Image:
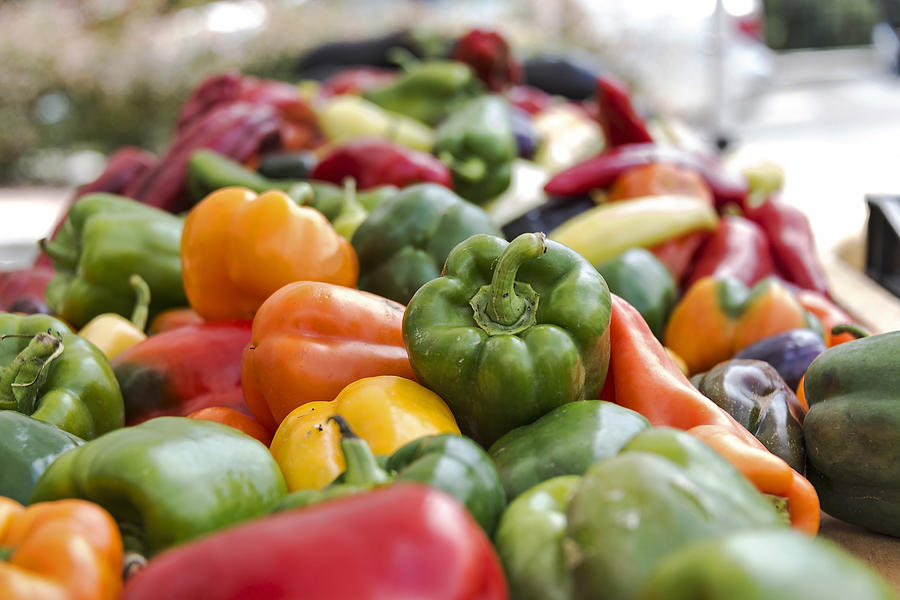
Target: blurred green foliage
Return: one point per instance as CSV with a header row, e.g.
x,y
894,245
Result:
x,y
796,24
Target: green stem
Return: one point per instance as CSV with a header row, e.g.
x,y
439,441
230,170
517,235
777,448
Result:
x,y
362,468
6,553
852,328
142,301
472,169
58,253
22,379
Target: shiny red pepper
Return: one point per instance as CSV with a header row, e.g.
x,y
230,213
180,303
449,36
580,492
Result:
x,y
398,541
738,248
374,163
355,80
182,370
678,253
620,122
791,242
23,290
600,171
490,57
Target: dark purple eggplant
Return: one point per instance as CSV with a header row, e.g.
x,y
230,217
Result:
x,y
790,353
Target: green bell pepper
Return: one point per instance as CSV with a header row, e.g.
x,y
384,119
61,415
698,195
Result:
x,y
600,535
428,91
757,397
56,376
27,448
478,145
104,240
640,278
761,565
565,441
509,332
852,431
449,462
405,241
169,479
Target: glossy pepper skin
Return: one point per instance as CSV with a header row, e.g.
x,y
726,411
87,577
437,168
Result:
x,y
757,397
449,462
477,143
509,332
141,475
311,339
408,540
27,447
489,54
239,248
641,279
738,248
385,411
851,431
104,240
759,565
376,162
57,377
601,534
790,352
406,240
177,372
620,122
69,550
565,441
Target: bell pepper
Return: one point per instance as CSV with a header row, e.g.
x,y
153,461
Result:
x,y
407,541
449,462
477,143
374,162
405,241
386,411
851,431
620,122
53,375
209,171
758,398
638,277
68,550
347,117
605,231
657,179
643,377
760,565
565,441
600,535
738,248
677,254
829,315
310,340
731,317
168,480
233,418
173,318
355,80
23,290
114,333
509,332
27,447
280,165
427,91
790,353
238,248
104,240
490,57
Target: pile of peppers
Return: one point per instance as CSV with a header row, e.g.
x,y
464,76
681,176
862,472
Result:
x,y
321,348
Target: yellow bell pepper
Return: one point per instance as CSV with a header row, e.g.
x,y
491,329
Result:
x,y
386,411
112,332
347,117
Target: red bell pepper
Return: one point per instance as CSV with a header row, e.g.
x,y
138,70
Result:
x,y
530,99
399,541
375,162
490,57
355,81
791,242
183,370
23,290
600,171
738,248
620,122
678,253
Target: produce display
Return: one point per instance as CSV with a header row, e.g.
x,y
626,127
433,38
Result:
x,y
466,328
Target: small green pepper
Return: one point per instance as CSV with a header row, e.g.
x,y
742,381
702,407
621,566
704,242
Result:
x,y
640,278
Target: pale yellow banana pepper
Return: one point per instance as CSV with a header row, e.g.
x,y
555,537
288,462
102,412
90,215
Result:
x,y
113,333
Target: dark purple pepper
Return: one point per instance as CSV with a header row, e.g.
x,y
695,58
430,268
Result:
x,y
790,353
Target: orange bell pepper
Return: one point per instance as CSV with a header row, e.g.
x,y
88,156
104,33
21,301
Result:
x,y
233,418
643,377
238,248
659,179
310,339
716,318
173,318
63,550
829,314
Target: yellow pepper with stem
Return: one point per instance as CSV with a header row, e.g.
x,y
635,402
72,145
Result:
x,y
112,332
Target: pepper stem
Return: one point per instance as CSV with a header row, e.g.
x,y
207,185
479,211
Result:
x,y
58,253
506,305
22,379
6,553
362,468
142,301
472,169
852,328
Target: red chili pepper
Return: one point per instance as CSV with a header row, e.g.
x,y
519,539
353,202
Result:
x,y
379,162
738,248
620,122
355,81
791,242
600,171
399,541
490,57
182,370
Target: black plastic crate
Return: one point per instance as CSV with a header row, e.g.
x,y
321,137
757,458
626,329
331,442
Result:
x,y
883,241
